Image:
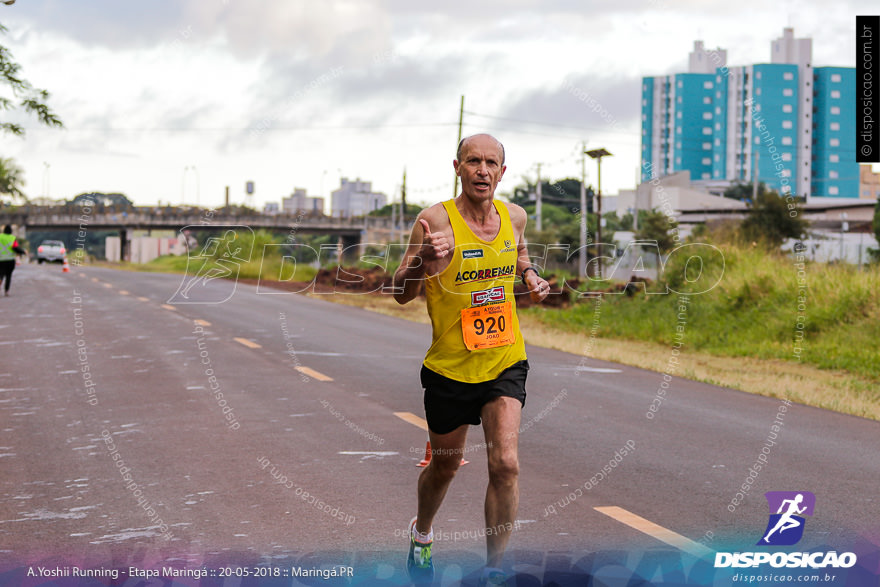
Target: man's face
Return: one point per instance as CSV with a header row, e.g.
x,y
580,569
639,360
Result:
x,y
480,168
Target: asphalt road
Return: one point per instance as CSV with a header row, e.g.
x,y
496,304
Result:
x,y
321,399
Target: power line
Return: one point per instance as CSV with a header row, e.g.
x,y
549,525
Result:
x,y
551,124
247,129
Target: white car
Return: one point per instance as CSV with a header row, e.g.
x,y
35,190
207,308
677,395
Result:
x,y
51,251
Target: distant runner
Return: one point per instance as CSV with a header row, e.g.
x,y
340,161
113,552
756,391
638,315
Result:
x,y
8,250
469,251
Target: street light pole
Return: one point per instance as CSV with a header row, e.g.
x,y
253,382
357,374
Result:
x,y
46,178
183,186
582,251
460,121
195,170
597,154
538,223
198,186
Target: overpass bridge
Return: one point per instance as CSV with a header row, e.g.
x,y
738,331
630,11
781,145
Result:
x,y
350,231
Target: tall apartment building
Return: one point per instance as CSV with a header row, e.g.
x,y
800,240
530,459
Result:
x,y
786,123
835,170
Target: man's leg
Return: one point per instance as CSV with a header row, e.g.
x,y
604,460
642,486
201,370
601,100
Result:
x,y
447,450
6,274
501,418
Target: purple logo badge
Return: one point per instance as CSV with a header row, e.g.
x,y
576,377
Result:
x,y
787,511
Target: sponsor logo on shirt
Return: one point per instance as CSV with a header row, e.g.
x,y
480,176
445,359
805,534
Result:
x,y
485,296
483,274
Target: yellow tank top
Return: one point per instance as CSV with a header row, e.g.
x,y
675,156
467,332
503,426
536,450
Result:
x,y
476,332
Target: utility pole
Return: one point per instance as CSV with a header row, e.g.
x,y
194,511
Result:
x,y
393,221
755,179
597,154
403,202
460,120
599,213
636,201
582,251
538,202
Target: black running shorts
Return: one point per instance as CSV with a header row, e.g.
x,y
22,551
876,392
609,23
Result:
x,y
450,403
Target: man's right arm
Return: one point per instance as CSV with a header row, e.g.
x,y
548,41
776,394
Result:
x,y
424,247
409,275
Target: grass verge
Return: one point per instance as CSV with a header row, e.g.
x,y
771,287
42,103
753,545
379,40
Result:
x,y
835,390
743,333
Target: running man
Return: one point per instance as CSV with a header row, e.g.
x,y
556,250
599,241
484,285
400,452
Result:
x,y
468,251
786,521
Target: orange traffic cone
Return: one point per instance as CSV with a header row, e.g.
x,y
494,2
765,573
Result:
x,y
66,268
424,462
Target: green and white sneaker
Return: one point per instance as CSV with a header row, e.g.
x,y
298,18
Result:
x,y
419,565
493,576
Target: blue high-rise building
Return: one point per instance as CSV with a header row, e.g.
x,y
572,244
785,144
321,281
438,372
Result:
x,y
835,170
677,120
782,123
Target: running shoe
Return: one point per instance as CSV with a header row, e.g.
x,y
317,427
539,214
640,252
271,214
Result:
x,y
419,565
492,576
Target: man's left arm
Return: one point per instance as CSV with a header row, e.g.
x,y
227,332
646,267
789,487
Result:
x,y
538,286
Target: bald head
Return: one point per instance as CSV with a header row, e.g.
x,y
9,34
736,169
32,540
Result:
x,y
464,141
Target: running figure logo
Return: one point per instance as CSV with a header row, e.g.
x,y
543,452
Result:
x,y
786,525
219,261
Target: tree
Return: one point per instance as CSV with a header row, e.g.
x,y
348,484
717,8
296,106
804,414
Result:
x,y
744,191
114,201
565,193
875,253
877,220
11,179
771,220
412,210
28,98
560,227
657,226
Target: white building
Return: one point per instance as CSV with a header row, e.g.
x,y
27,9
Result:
x,y
355,198
787,49
702,61
299,202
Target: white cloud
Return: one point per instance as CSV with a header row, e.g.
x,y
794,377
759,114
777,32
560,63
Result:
x,y
365,87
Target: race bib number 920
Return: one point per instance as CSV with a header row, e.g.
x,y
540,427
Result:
x,y
486,327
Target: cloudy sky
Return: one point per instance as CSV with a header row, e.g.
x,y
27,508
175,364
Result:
x,y
172,100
